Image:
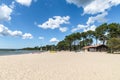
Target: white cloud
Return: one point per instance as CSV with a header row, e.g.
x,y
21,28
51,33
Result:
x,y
84,28
24,2
15,33
4,31
54,40
79,27
12,5
94,6
91,20
55,22
92,28
63,29
79,3
106,33
97,6
41,38
98,18
27,36
115,2
5,13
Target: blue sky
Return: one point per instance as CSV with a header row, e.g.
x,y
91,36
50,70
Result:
x,y
29,23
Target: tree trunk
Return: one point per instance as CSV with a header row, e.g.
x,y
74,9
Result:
x,y
96,41
70,47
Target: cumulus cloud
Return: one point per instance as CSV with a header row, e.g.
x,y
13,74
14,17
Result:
x,y
41,38
54,40
5,13
55,22
79,3
27,36
115,2
84,28
12,5
24,2
4,31
98,18
90,22
94,6
92,28
79,27
15,33
63,29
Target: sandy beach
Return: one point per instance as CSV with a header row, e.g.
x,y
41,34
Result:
x,y
60,66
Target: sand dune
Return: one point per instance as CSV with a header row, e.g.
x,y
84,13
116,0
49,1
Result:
x,y
60,66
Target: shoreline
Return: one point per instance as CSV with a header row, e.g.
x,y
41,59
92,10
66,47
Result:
x,y
59,52
19,52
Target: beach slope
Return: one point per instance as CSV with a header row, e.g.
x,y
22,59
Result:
x,y
60,66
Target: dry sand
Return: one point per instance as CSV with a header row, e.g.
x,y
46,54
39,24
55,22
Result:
x,y
60,66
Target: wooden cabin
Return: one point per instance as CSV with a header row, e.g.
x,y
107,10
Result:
x,y
96,48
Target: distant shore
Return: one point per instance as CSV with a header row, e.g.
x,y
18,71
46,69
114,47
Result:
x,y
62,65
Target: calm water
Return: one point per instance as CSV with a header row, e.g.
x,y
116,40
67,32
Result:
x,y
17,52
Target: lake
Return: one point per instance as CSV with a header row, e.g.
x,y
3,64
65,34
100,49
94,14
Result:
x,y
16,52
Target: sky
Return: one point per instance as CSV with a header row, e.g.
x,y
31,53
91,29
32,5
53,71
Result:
x,y
30,23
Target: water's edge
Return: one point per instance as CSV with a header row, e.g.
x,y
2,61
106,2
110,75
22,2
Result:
x,y
17,52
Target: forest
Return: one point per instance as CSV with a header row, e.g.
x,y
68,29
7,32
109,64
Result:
x,y
106,34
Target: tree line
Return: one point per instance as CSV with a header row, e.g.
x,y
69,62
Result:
x,y
108,34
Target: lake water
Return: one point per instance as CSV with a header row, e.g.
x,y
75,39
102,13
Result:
x,y
17,52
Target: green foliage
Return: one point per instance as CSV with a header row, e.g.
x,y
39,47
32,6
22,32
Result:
x,y
114,30
70,38
100,32
114,45
86,38
63,45
43,48
30,48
